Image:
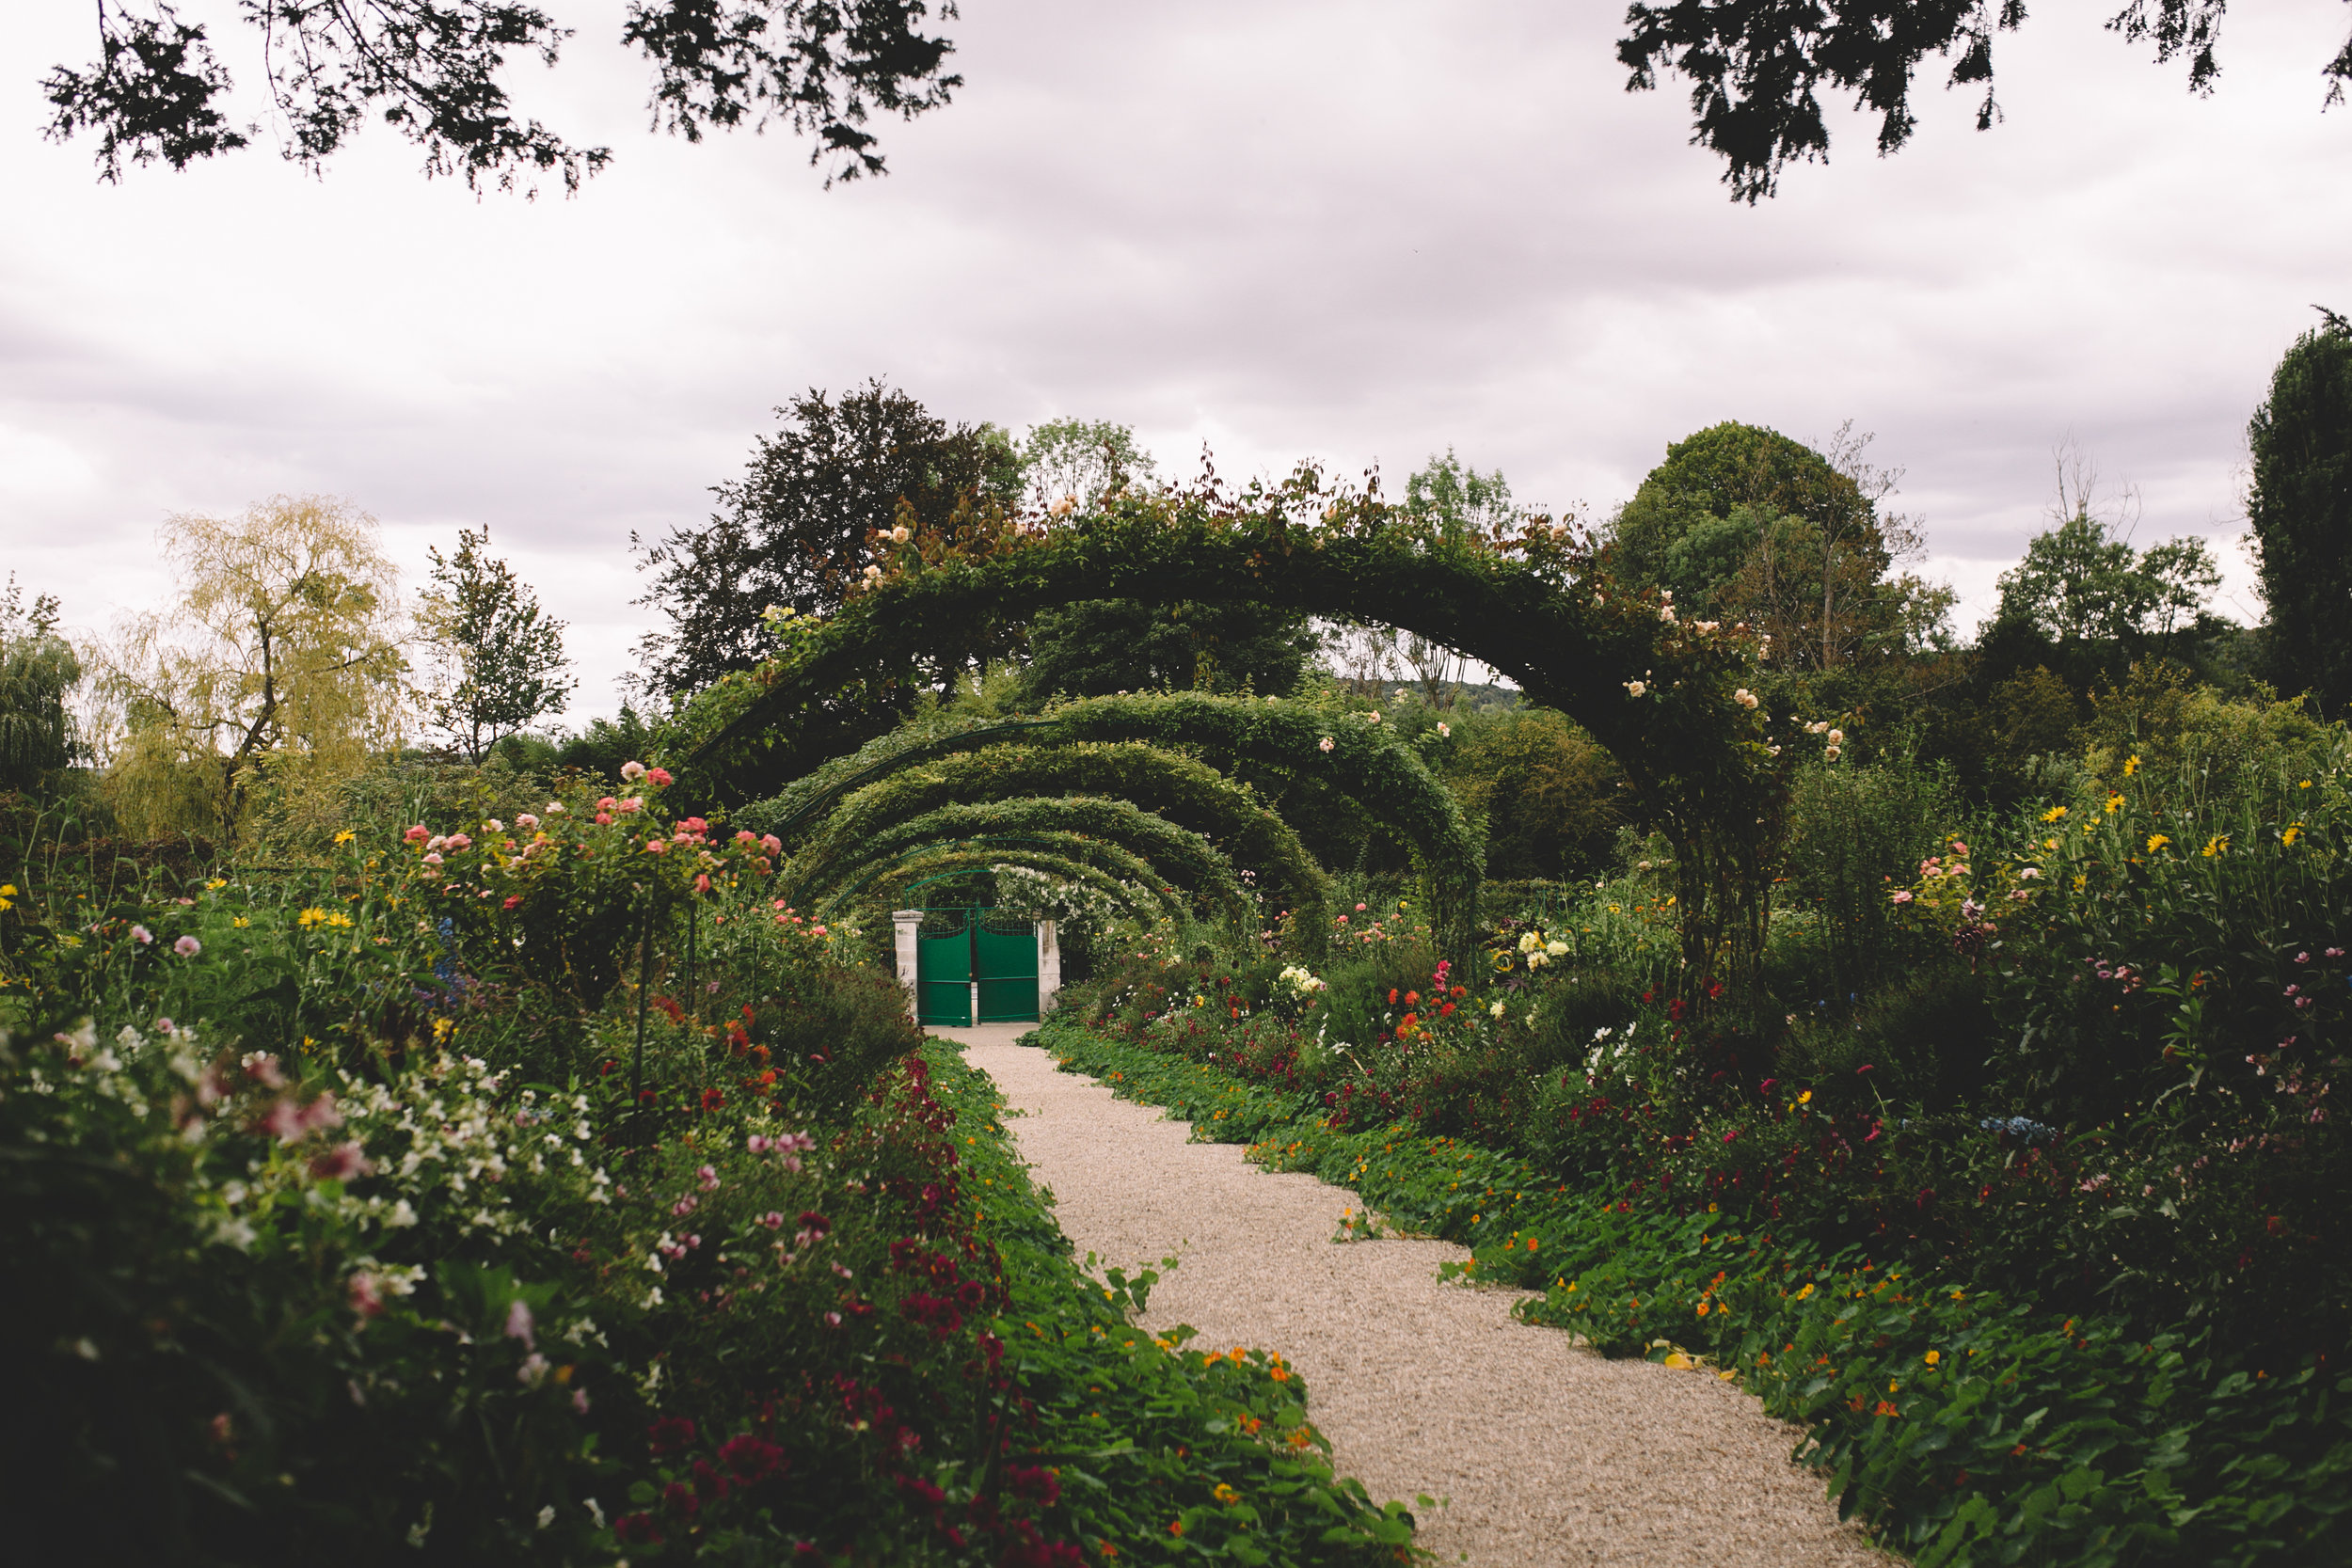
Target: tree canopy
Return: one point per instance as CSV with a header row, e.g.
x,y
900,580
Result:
x,y
1744,523
283,649
794,531
436,70
2300,508
1757,69
500,655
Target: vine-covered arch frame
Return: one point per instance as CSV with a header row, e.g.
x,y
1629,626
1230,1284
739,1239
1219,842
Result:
x,y
1180,789
1525,598
1349,754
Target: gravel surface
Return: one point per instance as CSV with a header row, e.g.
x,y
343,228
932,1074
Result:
x,y
1550,1454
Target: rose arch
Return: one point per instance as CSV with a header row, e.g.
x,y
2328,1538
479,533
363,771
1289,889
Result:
x,y
1656,689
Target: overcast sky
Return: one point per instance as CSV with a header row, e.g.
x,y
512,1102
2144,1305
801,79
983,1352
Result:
x,y
1359,231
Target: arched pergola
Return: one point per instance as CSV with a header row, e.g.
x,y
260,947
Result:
x,y
1141,894
1657,690
1180,789
1365,763
1182,858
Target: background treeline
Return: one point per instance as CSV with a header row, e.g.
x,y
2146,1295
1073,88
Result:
x,y
287,668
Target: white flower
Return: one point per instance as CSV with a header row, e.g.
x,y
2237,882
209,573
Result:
x,y
401,1216
1445,731
1373,715
1557,949
1745,698
1325,743
872,572
1495,1012
899,534
1837,738
1833,754
1634,689
1530,942
631,772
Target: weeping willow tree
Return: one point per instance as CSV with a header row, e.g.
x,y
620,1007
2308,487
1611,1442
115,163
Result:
x,y
38,668
274,676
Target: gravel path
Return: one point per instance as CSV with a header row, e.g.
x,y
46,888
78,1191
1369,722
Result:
x,y
1550,1454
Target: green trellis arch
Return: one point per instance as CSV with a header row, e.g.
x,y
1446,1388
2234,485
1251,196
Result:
x,y
1140,893
1657,690
1182,790
1182,858
1365,764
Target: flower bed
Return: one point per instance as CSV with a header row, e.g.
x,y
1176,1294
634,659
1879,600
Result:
x,y
1962,1425
378,1212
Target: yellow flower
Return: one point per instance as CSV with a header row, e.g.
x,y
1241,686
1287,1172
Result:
x,y
2156,842
7,896
2305,784
1805,1099
2049,844
1225,1494
339,918
2115,803
2131,766
2215,845
216,884
1933,1356
345,837
310,917
1806,1291
240,921
2294,832
2054,814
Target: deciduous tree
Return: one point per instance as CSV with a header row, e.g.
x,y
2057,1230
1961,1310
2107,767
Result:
x,y
2300,508
793,532
435,72
1757,69
500,656
38,668
282,649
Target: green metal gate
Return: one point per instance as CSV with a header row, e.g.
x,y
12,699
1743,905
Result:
x,y
975,960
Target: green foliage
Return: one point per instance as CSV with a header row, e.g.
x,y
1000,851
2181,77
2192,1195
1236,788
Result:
x,y
1179,857
1101,647
1677,729
797,529
433,78
1277,745
1854,832
1544,791
601,748
37,669
348,1298
1178,788
502,657
1962,1425
2299,506
1743,523
2078,585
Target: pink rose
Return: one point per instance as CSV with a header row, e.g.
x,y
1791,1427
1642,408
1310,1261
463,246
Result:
x,y
660,777
417,835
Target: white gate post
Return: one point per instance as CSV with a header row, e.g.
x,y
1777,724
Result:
x,y
1048,965
907,922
